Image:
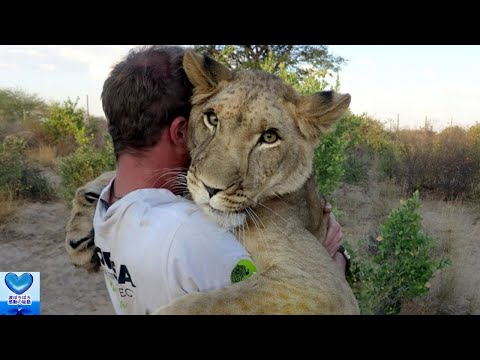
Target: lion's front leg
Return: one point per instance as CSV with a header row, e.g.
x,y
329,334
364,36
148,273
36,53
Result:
x,y
191,304
80,239
234,300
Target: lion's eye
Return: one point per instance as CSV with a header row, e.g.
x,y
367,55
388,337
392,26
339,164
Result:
x,y
91,197
269,137
211,119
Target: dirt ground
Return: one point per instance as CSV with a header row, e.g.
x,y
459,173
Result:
x,y
34,241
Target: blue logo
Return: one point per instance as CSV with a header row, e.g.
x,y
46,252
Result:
x,y
19,284
20,293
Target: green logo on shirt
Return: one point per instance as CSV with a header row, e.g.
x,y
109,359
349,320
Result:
x,y
242,271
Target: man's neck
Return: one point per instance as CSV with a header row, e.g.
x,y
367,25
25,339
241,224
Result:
x,y
145,171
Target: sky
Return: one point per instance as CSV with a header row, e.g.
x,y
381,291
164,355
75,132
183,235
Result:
x,y
441,83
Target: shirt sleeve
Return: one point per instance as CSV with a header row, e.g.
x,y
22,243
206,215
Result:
x,y
203,257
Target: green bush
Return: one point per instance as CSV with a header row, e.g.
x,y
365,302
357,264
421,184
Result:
x,y
63,120
12,163
35,187
401,266
65,128
330,156
16,176
85,164
375,149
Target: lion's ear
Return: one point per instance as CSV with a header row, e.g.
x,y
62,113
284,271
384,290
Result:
x,y
204,72
318,112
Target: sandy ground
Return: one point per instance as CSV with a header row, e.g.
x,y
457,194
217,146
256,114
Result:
x,y
34,241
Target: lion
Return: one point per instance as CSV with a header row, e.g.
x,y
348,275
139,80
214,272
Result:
x,y
252,140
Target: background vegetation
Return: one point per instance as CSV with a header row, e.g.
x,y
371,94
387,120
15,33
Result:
x,y
47,150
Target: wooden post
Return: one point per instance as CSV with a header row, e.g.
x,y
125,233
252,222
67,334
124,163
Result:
x,y
88,110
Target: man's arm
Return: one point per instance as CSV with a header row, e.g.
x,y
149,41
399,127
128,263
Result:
x,y
204,257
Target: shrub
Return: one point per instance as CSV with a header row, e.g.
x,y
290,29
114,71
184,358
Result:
x,y
64,126
474,135
16,177
34,186
401,266
457,163
85,164
374,148
447,163
389,161
12,164
329,161
417,162
97,128
358,160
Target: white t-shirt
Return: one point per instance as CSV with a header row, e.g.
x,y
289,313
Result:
x,y
155,246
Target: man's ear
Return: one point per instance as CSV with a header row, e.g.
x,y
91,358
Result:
x,y
204,72
178,131
318,112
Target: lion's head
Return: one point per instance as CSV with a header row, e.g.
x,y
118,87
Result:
x,y
251,137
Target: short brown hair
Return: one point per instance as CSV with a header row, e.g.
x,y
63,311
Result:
x,y
143,94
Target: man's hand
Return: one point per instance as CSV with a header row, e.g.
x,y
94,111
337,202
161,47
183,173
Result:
x,y
334,238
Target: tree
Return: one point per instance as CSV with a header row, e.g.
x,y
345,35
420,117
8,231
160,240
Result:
x,y
296,59
17,105
65,121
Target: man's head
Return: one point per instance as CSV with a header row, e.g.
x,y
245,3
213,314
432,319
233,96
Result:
x,y
143,95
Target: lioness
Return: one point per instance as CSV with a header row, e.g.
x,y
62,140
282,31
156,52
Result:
x,y
252,140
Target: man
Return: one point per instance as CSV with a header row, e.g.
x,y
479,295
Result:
x,y
155,246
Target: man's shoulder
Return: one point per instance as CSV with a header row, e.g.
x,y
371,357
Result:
x,y
159,211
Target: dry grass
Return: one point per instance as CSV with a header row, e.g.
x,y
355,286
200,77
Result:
x,y
44,155
8,205
456,289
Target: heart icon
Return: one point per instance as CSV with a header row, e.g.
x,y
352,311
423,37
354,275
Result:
x,y
19,284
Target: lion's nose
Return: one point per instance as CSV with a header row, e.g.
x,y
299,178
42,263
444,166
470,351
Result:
x,y
211,191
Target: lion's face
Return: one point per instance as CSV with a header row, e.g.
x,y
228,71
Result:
x,y
252,137
245,148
